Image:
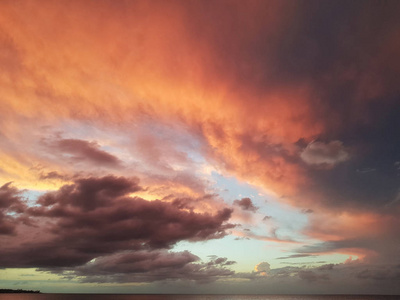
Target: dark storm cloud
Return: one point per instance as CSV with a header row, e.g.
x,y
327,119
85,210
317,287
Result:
x,y
353,69
347,55
96,216
11,206
322,39
376,147
341,50
246,204
84,150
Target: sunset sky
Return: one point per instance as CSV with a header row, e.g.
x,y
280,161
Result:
x,y
200,146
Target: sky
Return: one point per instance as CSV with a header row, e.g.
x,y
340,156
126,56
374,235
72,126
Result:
x,y
200,146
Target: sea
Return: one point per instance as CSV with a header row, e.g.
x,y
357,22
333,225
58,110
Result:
x,y
190,297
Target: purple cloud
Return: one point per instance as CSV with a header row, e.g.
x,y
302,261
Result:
x,y
87,151
246,204
150,266
96,217
11,206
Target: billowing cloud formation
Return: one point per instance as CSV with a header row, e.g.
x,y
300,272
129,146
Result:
x,y
95,216
262,268
246,204
11,206
319,153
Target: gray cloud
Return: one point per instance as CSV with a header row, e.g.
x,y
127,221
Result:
x,y
311,276
329,154
149,266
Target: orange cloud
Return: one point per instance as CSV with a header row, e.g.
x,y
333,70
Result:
x,y
210,69
111,63
347,225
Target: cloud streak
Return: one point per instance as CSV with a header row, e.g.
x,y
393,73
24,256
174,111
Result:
x,y
83,150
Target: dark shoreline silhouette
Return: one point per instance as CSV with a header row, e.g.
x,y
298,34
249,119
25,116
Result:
x,y
19,291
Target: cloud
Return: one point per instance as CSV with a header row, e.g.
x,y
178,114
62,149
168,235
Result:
x,y
295,256
246,204
363,234
82,150
11,207
252,102
311,276
148,266
379,273
326,267
329,154
271,237
53,175
262,268
223,261
254,139
96,217
349,273
263,271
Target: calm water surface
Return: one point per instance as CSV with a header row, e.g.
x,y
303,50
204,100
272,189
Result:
x,y
188,297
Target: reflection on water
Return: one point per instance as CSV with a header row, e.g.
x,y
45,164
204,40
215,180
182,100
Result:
x,y
186,297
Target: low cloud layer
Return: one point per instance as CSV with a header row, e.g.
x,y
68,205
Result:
x,y
325,277
149,266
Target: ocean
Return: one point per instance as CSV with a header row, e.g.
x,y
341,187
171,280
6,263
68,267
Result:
x,y
189,297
